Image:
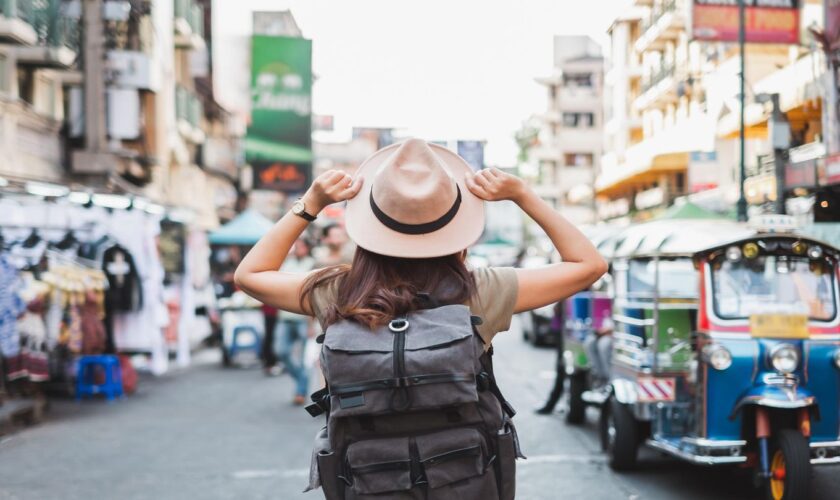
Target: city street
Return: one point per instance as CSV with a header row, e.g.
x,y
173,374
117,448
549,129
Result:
x,y
215,433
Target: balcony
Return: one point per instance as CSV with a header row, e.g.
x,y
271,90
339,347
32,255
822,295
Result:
x,y
189,111
659,88
666,21
44,36
189,25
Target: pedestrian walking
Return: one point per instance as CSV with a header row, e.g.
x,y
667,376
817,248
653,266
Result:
x,y
396,359
296,328
335,247
556,393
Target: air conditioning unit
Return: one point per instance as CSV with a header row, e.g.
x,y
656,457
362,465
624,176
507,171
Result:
x,y
122,113
132,70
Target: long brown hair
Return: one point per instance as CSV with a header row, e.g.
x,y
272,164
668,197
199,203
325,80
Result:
x,y
377,288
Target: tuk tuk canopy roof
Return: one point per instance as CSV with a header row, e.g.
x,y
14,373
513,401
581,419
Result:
x,y
677,237
245,229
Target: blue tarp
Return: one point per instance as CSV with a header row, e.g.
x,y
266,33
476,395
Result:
x,y
245,229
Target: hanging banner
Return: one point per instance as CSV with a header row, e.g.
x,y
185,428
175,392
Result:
x,y
830,171
473,152
278,145
767,21
832,23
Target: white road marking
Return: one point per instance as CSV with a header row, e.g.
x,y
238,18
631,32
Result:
x,y
562,458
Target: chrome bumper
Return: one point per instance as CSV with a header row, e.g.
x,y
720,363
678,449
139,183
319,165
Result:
x,y
703,451
825,453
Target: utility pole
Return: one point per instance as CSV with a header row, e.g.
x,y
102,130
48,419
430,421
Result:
x,y
94,84
780,140
95,157
742,39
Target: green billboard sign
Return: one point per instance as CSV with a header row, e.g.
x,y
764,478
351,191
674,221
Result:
x,y
278,145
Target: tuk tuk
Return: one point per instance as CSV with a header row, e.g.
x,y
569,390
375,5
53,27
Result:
x,y
726,350
585,313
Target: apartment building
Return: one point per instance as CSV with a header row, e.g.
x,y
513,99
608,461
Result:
x,y
569,142
672,108
160,134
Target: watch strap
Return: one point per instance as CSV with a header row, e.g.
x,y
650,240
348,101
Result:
x,y
303,213
306,215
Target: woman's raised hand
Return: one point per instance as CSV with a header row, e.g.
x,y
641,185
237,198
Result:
x,y
331,187
491,184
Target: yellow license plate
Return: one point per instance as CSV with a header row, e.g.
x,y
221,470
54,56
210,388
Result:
x,y
779,326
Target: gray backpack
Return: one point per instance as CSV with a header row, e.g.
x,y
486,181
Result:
x,y
413,412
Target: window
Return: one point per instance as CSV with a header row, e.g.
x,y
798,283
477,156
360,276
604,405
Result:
x,y
677,278
4,74
578,159
583,120
774,284
577,79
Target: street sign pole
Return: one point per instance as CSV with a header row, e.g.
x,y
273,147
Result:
x,y
742,200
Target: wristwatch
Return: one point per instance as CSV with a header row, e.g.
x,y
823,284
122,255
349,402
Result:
x,y
299,209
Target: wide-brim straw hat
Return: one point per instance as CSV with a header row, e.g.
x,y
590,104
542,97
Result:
x,y
414,202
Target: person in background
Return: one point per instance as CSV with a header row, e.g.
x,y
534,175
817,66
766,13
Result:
x,y
335,246
559,365
269,358
599,349
295,328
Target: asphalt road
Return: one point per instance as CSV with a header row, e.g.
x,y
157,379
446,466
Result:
x,y
214,433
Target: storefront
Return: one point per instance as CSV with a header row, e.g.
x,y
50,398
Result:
x,y
86,274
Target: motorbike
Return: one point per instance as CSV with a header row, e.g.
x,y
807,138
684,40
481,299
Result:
x,y
726,350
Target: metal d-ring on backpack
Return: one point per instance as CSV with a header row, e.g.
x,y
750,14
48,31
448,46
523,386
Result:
x,y
413,412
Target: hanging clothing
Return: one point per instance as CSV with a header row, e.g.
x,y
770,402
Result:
x,y
32,362
11,306
94,339
125,290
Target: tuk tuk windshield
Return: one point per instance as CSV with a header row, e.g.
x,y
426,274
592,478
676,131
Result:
x,y
773,284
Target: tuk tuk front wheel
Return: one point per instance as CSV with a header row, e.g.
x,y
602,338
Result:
x,y
619,435
577,407
790,467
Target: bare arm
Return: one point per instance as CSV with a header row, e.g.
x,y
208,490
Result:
x,y
582,264
258,274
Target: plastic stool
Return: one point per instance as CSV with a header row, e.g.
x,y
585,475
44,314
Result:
x,y
236,346
86,370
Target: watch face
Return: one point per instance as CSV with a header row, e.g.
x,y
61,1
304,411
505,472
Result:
x,y
298,207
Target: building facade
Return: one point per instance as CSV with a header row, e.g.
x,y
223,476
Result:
x,y
151,113
672,111
568,148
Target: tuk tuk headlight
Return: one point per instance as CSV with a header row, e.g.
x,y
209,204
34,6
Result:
x,y
717,356
837,358
784,358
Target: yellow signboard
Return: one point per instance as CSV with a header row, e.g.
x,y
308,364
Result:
x,y
779,326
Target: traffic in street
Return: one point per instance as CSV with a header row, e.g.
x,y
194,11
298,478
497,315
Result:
x,y
219,433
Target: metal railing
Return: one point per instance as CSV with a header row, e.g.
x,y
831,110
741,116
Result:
x,y
47,20
659,10
193,13
664,71
188,106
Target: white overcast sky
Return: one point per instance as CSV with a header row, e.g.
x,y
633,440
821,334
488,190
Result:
x,y
437,69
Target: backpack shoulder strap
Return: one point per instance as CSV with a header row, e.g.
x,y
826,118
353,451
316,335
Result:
x,y
486,361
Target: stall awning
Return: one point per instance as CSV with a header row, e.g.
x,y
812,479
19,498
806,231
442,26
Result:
x,y
246,229
661,164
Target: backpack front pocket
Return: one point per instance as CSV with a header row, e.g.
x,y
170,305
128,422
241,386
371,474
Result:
x,y
457,464
379,466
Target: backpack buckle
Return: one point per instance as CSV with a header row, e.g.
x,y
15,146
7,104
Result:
x,y
398,325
